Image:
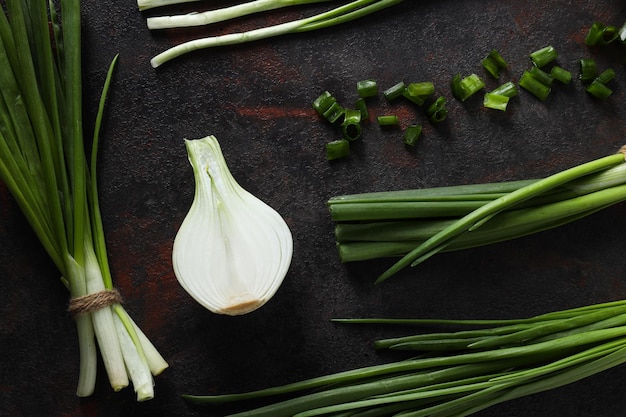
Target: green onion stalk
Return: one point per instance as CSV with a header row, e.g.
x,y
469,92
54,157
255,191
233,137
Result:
x,y
335,16
414,225
455,373
44,165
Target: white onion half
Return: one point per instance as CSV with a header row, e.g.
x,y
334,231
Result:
x,y
232,250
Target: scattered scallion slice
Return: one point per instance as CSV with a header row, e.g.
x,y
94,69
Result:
x,y
411,134
367,88
606,76
541,76
494,63
600,34
337,149
394,91
507,89
323,102
543,56
588,70
599,90
361,106
421,89
496,101
335,113
560,74
351,125
226,225
534,86
464,88
388,120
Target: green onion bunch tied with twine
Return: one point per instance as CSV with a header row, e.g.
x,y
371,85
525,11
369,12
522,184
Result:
x,y
44,165
414,225
456,373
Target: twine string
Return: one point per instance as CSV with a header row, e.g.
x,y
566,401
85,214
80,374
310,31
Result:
x,y
93,302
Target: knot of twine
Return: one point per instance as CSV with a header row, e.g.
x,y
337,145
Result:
x,y
93,302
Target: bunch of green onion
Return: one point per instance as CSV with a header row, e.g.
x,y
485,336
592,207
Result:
x,y
44,165
335,16
416,224
457,373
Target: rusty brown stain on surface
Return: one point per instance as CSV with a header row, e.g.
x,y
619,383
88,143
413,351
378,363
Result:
x,y
270,113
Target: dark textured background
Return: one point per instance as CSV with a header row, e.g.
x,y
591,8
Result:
x,y
257,100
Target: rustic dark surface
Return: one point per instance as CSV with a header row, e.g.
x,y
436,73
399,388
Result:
x,y
256,100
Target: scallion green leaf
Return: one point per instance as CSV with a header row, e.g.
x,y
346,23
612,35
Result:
x,y
394,91
323,102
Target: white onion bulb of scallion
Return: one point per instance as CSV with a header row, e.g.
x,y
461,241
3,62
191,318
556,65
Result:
x,y
232,250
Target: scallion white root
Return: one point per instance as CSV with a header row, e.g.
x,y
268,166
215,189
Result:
x,y
223,14
338,15
232,250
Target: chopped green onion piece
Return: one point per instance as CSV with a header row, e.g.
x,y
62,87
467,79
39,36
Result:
x,y
412,134
560,74
588,70
464,88
335,112
495,101
437,111
323,102
606,76
388,120
621,34
599,34
536,88
367,88
599,90
361,106
507,89
494,63
421,89
394,92
594,34
351,126
543,56
541,76
337,149
419,100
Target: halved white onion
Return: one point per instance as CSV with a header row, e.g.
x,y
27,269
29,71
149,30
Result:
x,y
232,250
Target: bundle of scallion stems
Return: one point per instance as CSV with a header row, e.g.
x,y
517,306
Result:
x,y
457,373
44,165
413,225
333,17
